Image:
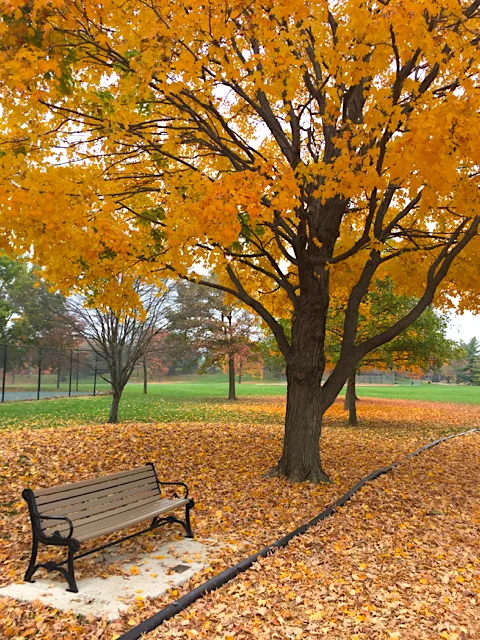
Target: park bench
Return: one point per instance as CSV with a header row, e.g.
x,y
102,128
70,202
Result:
x,y
71,514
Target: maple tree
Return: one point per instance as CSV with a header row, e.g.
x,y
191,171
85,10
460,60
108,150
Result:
x,y
298,148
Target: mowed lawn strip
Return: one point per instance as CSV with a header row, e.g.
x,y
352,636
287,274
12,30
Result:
x,y
201,400
223,464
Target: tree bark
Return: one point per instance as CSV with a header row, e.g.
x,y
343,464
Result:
x,y
113,416
306,403
145,374
231,377
351,400
300,460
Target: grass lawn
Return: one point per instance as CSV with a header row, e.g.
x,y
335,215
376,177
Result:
x,y
198,400
165,402
430,392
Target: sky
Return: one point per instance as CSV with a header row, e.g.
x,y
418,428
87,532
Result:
x,y
464,327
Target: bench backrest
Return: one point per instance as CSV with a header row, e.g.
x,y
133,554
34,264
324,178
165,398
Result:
x,y
93,498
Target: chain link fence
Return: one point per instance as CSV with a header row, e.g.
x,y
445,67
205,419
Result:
x,y
30,373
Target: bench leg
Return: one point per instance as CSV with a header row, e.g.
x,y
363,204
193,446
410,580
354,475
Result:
x,y
68,574
31,565
188,526
72,585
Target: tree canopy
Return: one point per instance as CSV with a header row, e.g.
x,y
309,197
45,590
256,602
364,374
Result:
x,y
29,313
423,346
299,148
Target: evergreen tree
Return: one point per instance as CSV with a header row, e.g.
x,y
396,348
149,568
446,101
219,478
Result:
x,y
470,372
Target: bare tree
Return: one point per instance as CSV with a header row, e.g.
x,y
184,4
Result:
x,y
121,337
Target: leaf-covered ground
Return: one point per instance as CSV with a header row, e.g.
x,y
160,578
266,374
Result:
x,y
400,560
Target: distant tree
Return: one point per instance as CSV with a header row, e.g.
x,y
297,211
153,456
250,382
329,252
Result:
x,y
213,330
248,360
121,336
271,354
29,312
469,373
187,314
423,346
448,371
30,315
228,340
154,360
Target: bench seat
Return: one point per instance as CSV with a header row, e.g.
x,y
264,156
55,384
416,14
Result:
x,y
74,513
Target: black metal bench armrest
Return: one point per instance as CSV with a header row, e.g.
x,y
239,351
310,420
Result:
x,y
179,484
57,534
29,497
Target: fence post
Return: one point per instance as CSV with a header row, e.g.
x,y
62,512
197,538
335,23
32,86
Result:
x,y
78,365
95,376
70,378
39,372
4,375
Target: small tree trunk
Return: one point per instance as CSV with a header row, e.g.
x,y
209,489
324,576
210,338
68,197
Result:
x,y
145,373
113,417
351,400
58,378
231,377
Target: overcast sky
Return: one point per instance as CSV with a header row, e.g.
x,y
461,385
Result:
x,y
464,327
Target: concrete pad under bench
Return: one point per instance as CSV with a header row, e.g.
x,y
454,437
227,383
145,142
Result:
x,y
111,596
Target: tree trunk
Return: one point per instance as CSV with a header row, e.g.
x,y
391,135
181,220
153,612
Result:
x,y
145,373
300,460
58,378
347,393
113,417
231,377
351,400
306,399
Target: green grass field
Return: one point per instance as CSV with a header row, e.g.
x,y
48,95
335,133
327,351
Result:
x,y
198,400
424,392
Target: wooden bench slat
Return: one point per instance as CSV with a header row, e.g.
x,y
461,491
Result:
x,y
81,520
120,521
99,497
100,480
97,488
105,503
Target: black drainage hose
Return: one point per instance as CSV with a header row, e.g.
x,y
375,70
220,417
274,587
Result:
x,y
222,578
